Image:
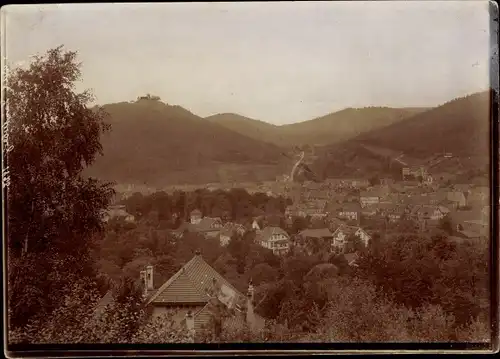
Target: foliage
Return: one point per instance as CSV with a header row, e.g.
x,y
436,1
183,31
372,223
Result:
x,y
159,330
362,314
235,205
321,271
83,318
53,209
430,270
53,136
341,263
353,244
263,273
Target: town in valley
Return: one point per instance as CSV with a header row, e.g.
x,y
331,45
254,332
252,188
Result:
x,y
243,176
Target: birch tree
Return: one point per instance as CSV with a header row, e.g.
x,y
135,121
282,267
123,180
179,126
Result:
x,y
53,210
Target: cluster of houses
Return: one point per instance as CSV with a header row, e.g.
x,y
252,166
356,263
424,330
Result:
x,y
466,206
344,203
346,206
274,238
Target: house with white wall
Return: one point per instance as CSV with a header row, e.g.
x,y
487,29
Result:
x,y
275,239
342,234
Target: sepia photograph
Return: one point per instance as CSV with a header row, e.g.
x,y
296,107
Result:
x,y
310,175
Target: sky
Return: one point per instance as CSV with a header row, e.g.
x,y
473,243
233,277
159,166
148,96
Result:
x,y
280,62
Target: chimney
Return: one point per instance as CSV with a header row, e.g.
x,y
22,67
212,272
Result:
x,y
190,325
144,281
250,309
197,252
250,291
149,278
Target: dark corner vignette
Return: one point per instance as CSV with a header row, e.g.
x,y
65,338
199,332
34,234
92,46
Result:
x,y
224,190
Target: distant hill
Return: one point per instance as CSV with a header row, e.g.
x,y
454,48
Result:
x,y
327,129
460,127
152,142
255,129
345,124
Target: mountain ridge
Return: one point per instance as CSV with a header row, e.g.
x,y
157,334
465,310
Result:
x,y
323,130
174,141
177,146
459,127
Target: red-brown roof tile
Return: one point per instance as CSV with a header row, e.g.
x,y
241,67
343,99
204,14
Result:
x,y
190,284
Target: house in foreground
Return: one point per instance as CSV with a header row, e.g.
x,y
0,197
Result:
x,y
195,293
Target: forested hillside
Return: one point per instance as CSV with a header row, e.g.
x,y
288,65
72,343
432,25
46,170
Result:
x,y
459,127
327,129
152,142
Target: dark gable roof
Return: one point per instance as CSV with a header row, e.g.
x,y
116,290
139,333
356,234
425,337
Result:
x,y
349,207
207,224
316,233
334,223
391,208
190,284
229,228
351,257
347,230
202,317
267,232
424,209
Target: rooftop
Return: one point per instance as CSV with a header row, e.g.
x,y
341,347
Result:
x,y
316,233
348,229
192,284
270,231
